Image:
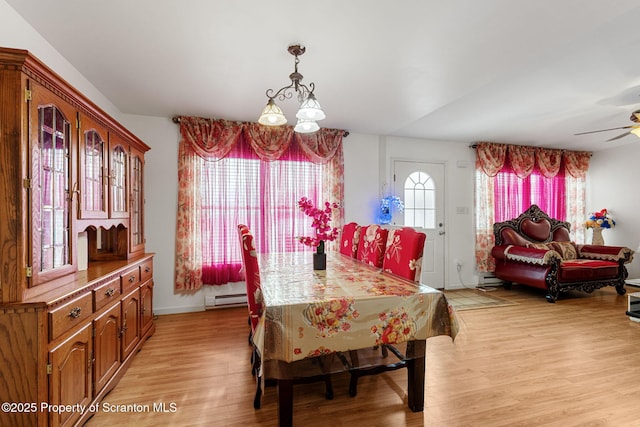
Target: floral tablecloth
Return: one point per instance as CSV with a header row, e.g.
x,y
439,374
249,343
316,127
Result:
x,y
348,306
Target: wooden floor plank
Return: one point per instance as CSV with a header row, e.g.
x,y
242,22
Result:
x,y
575,362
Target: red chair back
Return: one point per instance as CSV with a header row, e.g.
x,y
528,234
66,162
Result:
x,y
252,274
373,241
403,256
349,239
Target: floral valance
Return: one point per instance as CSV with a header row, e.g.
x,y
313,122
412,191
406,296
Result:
x,y
210,139
491,158
214,138
523,159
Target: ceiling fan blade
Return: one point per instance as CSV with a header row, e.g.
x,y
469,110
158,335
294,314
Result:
x,y
604,130
622,135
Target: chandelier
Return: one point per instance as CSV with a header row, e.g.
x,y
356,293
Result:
x,y
309,112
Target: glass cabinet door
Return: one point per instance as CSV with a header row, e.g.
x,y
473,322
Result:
x,y
136,232
93,162
118,189
51,186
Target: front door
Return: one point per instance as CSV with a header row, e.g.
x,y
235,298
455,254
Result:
x,y
420,185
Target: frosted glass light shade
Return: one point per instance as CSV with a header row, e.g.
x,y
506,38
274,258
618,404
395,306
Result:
x,y
272,115
306,126
310,109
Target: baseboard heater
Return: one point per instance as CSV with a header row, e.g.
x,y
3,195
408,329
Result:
x,y
229,300
488,279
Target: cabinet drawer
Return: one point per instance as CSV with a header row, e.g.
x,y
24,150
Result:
x,y
65,317
146,270
104,294
130,279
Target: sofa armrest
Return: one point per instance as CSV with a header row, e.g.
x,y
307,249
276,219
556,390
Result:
x,y
525,254
606,253
498,252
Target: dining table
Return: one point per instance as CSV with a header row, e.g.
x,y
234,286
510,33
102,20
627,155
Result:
x,y
317,322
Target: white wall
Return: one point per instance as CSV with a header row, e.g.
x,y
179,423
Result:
x,y
362,195
459,163
367,157
161,203
161,162
361,180
613,181
16,33
367,162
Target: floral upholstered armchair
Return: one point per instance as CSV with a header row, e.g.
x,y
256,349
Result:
x,y
536,250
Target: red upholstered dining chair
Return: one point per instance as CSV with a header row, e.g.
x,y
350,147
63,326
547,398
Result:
x,y
254,299
252,275
252,280
256,308
349,239
373,241
403,255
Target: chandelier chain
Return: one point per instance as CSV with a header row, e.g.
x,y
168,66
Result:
x,y
296,85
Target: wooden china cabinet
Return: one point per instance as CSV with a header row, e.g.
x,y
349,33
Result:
x,y
76,285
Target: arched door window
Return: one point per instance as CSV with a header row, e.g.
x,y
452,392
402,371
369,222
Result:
x,y
420,201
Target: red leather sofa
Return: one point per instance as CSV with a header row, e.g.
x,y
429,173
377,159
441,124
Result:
x,y
536,250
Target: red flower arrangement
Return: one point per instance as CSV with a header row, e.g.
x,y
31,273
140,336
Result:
x,y
321,220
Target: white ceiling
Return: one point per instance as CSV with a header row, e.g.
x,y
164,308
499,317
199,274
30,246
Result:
x,y
512,71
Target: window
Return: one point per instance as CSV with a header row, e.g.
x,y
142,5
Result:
x,y
242,189
232,173
420,201
514,195
510,178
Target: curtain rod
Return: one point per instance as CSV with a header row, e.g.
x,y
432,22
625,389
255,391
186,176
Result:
x,y
176,120
474,145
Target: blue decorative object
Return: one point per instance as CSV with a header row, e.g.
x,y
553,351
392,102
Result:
x,y
385,214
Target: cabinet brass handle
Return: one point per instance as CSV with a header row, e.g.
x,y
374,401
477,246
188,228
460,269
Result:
x,y
147,269
132,279
75,312
109,292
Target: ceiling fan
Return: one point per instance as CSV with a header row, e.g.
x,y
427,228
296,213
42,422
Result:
x,y
633,129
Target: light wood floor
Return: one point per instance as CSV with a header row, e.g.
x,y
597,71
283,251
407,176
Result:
x,y
572,363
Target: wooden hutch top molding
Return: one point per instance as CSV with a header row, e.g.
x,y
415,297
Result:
x,y
39,72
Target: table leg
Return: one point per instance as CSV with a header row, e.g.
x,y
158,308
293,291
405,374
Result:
x,y
285,403
415,375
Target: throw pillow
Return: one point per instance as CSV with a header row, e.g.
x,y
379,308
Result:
x,y
566,249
